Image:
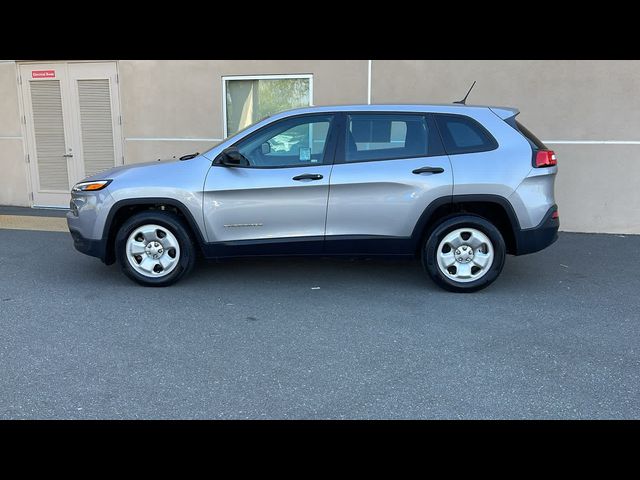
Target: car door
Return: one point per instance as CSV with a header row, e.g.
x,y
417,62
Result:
x,y
280,198
388,168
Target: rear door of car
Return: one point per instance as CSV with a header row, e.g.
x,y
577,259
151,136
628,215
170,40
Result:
x,y
389,166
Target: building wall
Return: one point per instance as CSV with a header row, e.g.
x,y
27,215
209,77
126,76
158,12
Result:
x,y
170,108
598,185
14,186
183,99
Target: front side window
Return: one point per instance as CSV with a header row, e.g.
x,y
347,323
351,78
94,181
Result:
x,y
250,100
462,134
386,136
292,142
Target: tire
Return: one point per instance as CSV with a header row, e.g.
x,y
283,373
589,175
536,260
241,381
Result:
x,y
478,242
160,240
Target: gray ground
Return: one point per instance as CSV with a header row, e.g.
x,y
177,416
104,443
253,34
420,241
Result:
x,y
557,336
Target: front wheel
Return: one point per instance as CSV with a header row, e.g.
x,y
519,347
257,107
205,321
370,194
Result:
x,y
154,248
464,254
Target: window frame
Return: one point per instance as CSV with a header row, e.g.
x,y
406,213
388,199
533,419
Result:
x,y
343,124
329,149
225,78
494,142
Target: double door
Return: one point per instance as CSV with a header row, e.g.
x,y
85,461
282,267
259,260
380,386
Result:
x,y
72,117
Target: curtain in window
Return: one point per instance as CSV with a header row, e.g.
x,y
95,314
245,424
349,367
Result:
x,y
249,101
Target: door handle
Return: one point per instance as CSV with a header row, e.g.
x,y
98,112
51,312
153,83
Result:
x,y
308,176
68,155
418,171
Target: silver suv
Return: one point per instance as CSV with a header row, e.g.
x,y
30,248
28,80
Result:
x,y
457,186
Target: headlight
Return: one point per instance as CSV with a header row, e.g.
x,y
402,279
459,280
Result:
x,y
90,186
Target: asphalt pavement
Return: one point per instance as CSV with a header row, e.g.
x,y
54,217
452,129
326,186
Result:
x,y
556,336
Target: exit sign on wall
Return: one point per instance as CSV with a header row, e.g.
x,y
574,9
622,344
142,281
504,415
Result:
x,y
43,74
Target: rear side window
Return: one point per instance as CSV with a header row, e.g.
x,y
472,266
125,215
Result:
x,y
389,136
462,134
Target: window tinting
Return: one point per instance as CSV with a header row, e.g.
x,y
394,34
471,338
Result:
x,y
462,134
289,143
385,136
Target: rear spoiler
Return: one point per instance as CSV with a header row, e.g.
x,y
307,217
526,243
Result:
x,y
505,112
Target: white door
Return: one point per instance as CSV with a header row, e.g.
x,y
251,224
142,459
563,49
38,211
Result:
x,y
73,125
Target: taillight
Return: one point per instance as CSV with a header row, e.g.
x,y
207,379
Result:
x,y
555,215
546,158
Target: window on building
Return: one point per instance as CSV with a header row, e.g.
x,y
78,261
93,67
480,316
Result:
x,y
250,99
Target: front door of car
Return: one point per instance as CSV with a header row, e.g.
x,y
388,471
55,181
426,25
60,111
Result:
x,y
388,168
279,195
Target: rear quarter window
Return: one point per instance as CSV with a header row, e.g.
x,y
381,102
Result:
x,y
462,134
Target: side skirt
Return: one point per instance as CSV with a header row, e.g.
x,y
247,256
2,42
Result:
x,y
347,245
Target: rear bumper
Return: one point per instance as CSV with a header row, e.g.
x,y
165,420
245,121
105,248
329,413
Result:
x,y
534,239
93,248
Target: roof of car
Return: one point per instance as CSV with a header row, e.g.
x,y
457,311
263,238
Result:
x,y
503,112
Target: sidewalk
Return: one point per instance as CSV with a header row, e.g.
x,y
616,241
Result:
x,y
25,218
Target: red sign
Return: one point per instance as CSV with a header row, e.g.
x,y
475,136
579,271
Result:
x,y
43,74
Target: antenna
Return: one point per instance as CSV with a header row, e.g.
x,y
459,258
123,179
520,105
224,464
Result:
x,y
465,97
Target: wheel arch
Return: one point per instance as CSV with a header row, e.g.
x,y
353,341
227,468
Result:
x,y
493,208
124,209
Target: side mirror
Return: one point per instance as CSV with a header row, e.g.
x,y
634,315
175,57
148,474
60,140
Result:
x,y
265,148
232,158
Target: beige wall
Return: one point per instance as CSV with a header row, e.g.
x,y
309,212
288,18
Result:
x,y
598,185
14,188
183,99
175,107
598,188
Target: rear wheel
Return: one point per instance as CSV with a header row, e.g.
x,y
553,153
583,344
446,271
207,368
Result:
x,y
154,248
464,254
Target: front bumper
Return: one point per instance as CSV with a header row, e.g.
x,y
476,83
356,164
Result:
x,y
86,219
534,239
94,248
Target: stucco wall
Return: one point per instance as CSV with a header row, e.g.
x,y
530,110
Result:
x,y
14,188
598,185
166,100
175,107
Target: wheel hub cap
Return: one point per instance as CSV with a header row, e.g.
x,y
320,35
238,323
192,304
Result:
x,y
464,254
154,250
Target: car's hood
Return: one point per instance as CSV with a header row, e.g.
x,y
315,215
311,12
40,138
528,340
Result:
x,y
116,172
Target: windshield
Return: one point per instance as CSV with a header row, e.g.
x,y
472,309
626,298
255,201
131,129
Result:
x,y
238,133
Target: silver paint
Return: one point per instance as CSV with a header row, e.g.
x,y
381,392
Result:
x,y
384,197
285,207
369,198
